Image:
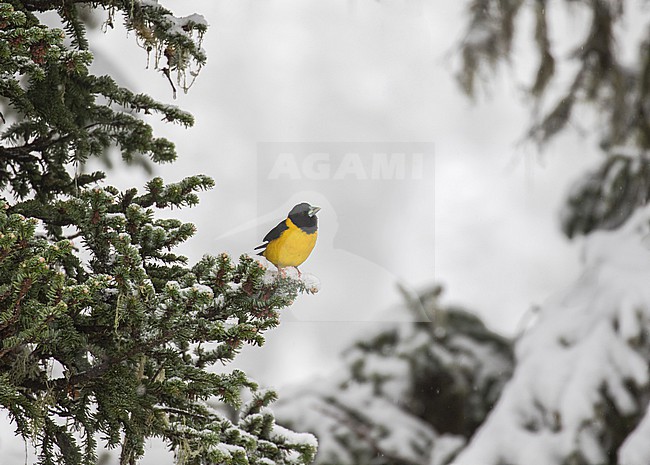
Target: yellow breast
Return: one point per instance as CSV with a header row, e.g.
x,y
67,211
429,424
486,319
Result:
x,y
292,247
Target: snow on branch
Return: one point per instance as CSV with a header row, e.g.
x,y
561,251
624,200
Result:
x,y
581,384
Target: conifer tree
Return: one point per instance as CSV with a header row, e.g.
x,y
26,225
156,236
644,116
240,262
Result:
x,y
594,78
106,334
580,391
409,393
581,385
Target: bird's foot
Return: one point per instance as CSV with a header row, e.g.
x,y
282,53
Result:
x,y
299,273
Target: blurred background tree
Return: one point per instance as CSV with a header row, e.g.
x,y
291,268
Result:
x,y
410,393
581,385
105,333
594,86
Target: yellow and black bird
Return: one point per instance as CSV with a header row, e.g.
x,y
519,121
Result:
x,y
290,242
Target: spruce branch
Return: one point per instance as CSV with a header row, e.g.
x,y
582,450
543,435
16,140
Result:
x,y
598,81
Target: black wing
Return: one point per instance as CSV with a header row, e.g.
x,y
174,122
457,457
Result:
x,y
272,235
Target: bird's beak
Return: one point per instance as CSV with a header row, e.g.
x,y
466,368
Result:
x,y
313,211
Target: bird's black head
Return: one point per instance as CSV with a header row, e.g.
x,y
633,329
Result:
x,y
303,215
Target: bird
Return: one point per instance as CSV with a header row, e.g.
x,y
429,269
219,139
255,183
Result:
x,y
292,240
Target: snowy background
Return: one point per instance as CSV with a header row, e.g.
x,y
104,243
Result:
x,y
483,222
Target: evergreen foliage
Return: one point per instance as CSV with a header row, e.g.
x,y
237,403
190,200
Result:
x,y
607,196
106,334
581,387
580,390
410,393
594,76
